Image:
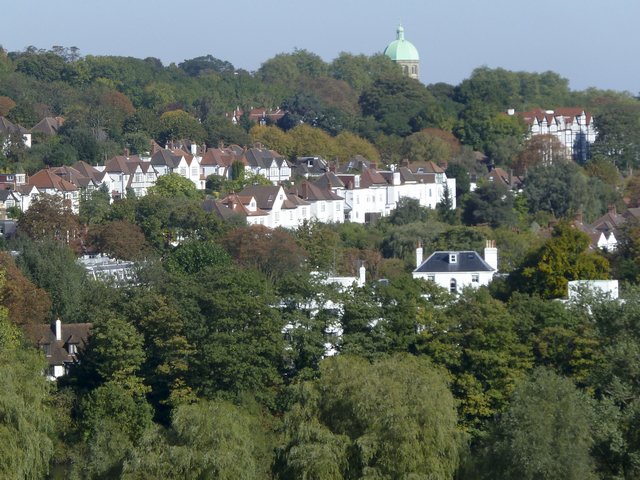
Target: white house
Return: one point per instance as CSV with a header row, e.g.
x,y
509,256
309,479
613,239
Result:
x,y
427,185
373,194
325,206
267,163
8,199
185,164
365,195
284,210
573,127
455,270
218,161
51,184
244,205
8,128
605,288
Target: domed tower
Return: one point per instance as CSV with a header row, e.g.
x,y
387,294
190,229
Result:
x,y
404,53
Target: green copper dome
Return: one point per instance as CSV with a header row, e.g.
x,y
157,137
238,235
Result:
x,y
400,49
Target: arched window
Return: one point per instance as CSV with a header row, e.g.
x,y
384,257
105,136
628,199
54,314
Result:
x,y
453,286
414,70
405,69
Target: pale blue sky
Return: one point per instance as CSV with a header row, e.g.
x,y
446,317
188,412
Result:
x,y
592,43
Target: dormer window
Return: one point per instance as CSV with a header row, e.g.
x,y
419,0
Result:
x,y
453,258
72,348
46,348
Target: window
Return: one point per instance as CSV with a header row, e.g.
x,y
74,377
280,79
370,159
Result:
x,y
139,177
277,216
291,215
453,286
72,348
453,258
475,278
183,171
322,206
194,171
431,278
46,348
337,206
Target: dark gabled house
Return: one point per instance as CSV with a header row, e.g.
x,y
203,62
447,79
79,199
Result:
x,y
48,126
60,344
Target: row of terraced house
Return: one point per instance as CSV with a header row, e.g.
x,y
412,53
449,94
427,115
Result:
x,y
303,190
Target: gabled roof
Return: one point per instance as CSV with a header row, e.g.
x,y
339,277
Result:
x,y
370,177
564,115
74,176
72,333
329,180
265,195
610,221
26,189
6,194
293,201
88,171
6,126
427,167
166,157
312,193
48,125
467,261
222,157
238,205
499,175
212,205
311,166
47,180
118,164
357,162
188,157
263,158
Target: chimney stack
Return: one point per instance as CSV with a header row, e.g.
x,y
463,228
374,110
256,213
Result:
x,y
362,275
58,330
491,254
419,254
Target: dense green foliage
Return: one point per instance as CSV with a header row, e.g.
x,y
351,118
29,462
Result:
x,y
214,364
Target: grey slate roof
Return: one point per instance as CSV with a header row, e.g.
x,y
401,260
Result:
x,y
165,157
329,180
262,158
468,261
265,195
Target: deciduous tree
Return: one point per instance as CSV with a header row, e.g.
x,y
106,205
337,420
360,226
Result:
x,y
393,419
544,434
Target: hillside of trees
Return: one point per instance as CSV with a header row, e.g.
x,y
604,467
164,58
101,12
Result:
x,y
212,364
